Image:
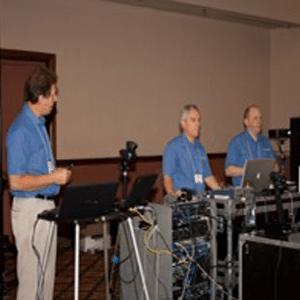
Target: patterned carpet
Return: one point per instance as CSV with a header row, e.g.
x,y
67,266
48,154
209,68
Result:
x,y
92,280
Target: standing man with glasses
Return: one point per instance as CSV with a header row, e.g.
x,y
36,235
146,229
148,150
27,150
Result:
x,y
34,182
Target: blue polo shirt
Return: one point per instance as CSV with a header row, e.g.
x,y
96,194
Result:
x,y
243,147
28,150
181,159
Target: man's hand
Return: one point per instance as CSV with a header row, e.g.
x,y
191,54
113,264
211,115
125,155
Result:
x,y
62,176
168,185
212,182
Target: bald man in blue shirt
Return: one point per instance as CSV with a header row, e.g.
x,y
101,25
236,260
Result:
x,y
250,144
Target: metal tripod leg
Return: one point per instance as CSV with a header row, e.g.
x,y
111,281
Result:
x,y
105,245
76,260
138,258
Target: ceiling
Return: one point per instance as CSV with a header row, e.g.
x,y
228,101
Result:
x,y
207,12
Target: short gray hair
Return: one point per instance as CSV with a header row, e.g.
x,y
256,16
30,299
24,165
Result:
x,y
186,110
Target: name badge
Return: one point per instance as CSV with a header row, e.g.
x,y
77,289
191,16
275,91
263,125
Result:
x,y
50,167
198,178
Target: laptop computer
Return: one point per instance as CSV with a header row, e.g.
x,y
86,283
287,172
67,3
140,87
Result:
x,y
257,173
84,202
140,191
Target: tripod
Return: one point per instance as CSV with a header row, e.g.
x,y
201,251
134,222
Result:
x,y
137,256
128,155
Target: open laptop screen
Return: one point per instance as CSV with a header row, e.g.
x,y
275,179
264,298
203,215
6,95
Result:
x,y
87,201
140,191
257,173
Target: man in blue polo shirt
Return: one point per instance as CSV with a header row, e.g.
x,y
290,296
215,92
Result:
x,y
34,181
250,144
185,162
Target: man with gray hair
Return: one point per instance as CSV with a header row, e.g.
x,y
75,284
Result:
x,y
185,162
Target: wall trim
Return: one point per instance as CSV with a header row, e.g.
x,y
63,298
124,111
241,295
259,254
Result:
x,y
116,160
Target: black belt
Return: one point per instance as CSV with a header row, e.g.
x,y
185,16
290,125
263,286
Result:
x,y
45,197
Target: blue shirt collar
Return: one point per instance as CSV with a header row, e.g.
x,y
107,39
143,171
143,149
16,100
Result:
x,y
246,132
31,116
185,138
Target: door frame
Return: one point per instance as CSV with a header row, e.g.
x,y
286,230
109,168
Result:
x,y
50,61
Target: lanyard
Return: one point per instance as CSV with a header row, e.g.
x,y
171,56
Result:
x,y
192,160
46,141
258,150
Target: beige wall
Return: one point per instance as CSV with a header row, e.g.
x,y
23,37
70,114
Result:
x,y
124,72
285,77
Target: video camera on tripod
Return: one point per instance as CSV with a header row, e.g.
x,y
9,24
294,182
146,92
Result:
x,y
128,155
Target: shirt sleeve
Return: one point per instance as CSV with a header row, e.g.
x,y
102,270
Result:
x,y
169,158
17,153
233,154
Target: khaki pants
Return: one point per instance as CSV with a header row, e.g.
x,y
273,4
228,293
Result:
x,y
24,215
